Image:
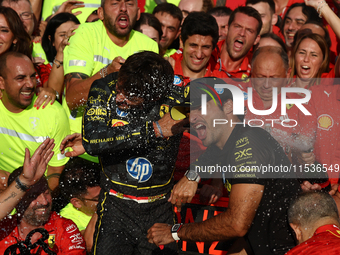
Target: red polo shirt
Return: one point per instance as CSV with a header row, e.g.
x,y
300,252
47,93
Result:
x,y
243,72
324,106
326,240
64,236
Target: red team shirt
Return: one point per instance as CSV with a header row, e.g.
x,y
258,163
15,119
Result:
x,y
326,240
64,237
324,106
243,72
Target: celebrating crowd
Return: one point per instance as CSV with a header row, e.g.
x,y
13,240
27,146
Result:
x,y
111,110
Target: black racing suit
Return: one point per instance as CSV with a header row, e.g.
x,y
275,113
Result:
x,y
137,168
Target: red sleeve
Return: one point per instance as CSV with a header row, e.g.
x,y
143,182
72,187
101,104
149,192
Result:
x,y
44,71
72,242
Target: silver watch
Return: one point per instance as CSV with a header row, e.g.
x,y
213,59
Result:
x,y
174,231
192,176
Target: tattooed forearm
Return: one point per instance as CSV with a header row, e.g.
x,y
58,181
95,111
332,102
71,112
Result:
x,y
71,76
12,195
55,175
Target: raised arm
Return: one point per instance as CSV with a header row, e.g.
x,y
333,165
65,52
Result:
x,y
33,169
327,13
78,84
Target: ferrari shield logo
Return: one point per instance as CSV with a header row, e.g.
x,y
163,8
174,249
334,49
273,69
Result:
x,y
34,122
51,240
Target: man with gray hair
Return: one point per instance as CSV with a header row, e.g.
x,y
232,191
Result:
x,y
314,217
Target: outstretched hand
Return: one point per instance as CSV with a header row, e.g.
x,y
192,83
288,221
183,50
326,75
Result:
x,y
74,142
171,127
69,5
35,166
313,3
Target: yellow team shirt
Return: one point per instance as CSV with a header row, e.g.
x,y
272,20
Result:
x,y
90,50
28,129
78,217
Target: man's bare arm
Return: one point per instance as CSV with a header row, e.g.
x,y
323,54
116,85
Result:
x,y
234,222
78,84
77,88
53,175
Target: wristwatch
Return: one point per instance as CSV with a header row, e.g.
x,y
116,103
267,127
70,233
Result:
x,y
174,231
192,176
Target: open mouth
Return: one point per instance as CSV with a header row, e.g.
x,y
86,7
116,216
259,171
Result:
x,y
123,21
27,94
305,69
238,44
201,130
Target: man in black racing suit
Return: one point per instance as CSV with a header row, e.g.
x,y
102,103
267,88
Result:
x,y
127,124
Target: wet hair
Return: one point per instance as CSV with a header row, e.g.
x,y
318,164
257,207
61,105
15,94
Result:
x,y
308,11
49,35
150,20
271,4
79,175
220,11
24,44
3,61
309,207
200,23
272,50
275,38
146,75
171,9
249,11
325,51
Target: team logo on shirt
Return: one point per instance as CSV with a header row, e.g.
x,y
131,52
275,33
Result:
x,y
139,169
119,123
325,122
288,106
51,240
243,154
245,95
163,110
177,80
121,113
186,91
34,122
245,77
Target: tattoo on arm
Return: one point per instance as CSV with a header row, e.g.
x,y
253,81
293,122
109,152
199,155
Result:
x,y
12,195
71,76
56,175
220,2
